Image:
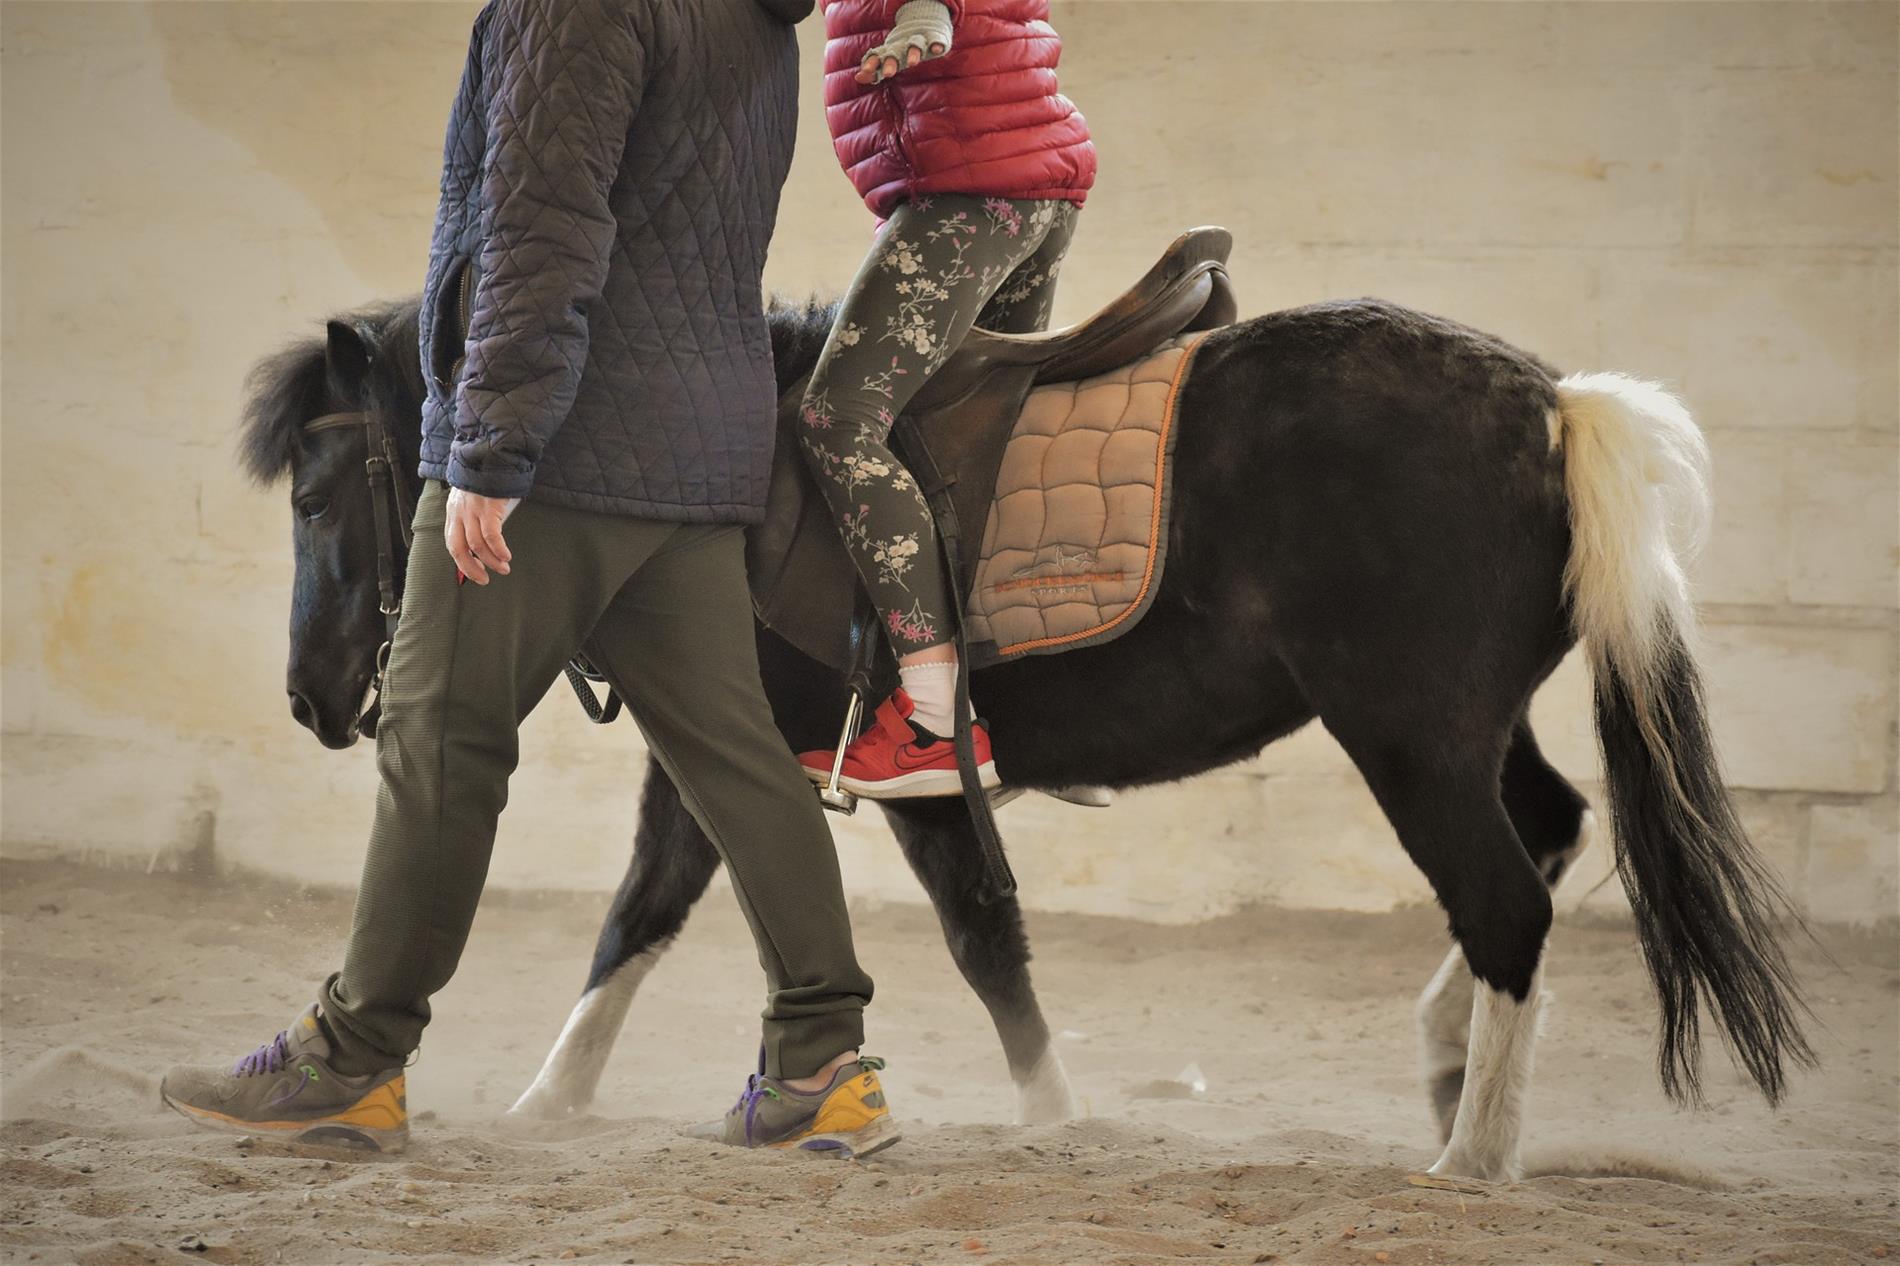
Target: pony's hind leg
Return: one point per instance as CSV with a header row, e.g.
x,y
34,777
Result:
x,y
986,939
672,863
1444,1035
1446,807
1552,819
1554,823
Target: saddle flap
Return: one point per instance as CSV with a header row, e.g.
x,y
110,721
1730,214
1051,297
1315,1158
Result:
x,y
803,584
953,437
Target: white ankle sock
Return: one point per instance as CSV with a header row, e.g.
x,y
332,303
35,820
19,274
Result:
x,y
933,689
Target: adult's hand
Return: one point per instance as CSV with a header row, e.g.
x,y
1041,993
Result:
x,y
473,533
922,33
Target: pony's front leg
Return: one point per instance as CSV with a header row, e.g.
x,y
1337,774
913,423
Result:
x,y
672,863
986,939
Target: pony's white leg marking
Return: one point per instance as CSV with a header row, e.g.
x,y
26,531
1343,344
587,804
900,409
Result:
x,y
1444,1010
1484,1141
571,1072
1444,1028
1043,1095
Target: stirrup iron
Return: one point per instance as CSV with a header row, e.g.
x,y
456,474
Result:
x,y
866,644
831,794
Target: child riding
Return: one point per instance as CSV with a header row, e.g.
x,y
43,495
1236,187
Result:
x,y
947,119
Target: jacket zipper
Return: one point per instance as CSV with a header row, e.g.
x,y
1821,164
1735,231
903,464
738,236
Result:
x,y
899,117
452,321
464,301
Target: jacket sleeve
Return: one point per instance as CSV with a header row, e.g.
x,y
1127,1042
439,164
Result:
x,y
955,6
566,76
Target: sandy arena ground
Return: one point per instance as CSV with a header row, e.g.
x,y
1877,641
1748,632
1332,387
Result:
x,y
1297,1151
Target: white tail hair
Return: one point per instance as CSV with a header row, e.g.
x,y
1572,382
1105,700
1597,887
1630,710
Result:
x,y
1637,474
1707,907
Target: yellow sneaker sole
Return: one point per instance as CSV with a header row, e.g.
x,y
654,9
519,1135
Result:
x,y
378,1122
855,1144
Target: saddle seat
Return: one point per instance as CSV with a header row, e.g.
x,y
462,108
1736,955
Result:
x,y
952,438
1186,290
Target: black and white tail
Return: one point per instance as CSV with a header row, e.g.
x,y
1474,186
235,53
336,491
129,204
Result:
x,y
1708,912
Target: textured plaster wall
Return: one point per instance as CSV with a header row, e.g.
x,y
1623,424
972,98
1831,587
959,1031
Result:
x,y
1702,192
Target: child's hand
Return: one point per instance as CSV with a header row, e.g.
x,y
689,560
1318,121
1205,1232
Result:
x,y
922,33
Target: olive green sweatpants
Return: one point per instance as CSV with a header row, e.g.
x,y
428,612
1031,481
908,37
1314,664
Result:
x,y
662,609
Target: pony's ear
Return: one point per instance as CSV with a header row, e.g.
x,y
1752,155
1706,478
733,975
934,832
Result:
x,y
346,352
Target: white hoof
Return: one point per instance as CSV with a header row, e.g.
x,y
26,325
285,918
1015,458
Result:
x,y
542,1103
1044,1096
1457,1164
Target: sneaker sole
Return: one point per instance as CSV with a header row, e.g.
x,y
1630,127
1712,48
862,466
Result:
x,y
924,782
856,1145
318,1133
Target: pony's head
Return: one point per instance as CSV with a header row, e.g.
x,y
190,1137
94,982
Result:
x,y
370,361
366,361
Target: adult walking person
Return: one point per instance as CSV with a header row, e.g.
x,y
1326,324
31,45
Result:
x,y
598,429
948,120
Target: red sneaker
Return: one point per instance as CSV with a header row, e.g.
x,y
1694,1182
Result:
x,y
895,758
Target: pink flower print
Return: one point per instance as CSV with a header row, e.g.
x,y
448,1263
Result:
x,y
909,628
814,419
1004,216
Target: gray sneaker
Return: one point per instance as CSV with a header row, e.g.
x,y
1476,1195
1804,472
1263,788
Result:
x,y
286,1087
846,1119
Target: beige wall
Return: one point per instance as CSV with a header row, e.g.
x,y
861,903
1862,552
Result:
x,y
1703,193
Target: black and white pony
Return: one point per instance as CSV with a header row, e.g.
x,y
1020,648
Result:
x,y
1383,520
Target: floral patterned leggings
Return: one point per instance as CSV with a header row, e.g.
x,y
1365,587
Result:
x,y
941,264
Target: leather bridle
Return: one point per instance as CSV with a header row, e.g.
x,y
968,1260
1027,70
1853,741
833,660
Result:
x,y
388,499
386,496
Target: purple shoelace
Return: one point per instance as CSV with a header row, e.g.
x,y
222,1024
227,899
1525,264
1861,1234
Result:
x,y
267,1058
755,1090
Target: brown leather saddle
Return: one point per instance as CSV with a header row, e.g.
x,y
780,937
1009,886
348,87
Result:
x,y
952,439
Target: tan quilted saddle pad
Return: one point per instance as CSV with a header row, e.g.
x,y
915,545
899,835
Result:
x,y
1077,534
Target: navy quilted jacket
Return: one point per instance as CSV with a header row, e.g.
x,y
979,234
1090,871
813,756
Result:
x,y
592,322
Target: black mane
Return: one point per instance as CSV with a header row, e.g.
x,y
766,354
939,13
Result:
x,y
799,331
288,388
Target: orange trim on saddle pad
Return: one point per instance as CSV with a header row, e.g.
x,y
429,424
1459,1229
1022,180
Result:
x,y
1157,519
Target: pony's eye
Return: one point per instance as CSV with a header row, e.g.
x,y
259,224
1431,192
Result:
x,y
312,507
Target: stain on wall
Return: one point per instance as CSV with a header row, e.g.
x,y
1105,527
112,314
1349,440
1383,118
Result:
x,y
325,97
1697,192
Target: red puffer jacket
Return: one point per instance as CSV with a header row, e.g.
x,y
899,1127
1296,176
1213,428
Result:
x,y
985,119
